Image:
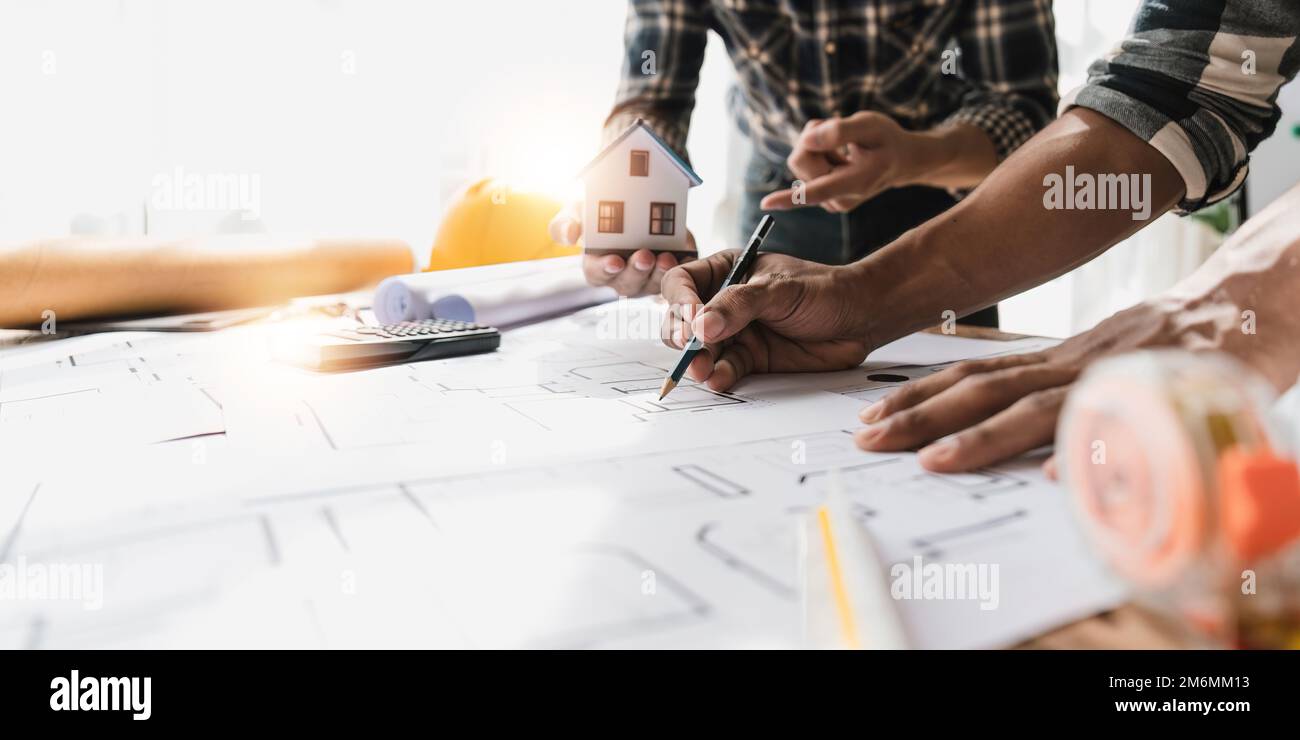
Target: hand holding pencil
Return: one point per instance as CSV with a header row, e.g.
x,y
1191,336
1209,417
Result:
x,y
738,273
791,315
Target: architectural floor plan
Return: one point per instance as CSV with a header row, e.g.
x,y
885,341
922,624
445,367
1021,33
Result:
x,y
541,495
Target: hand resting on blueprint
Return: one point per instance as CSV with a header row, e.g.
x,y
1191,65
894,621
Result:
x,y
980,412
1240,302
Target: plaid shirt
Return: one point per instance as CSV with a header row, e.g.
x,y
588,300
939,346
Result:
x,y
1198,80
925,63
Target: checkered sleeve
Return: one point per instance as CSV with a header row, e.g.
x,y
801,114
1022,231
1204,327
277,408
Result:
x,y
1198,80
1008,57
664,44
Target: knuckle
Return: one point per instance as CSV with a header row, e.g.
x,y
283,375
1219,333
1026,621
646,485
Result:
x,y
1040,401
980,436
910,421
905,396
891,403
969,383
740,296
998,383
974,368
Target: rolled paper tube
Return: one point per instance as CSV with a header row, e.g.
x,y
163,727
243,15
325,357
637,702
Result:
x,y
81,278
500,295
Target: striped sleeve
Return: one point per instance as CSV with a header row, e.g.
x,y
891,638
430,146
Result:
x,y
1198,80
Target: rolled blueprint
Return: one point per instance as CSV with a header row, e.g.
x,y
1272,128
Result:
x,y
496,295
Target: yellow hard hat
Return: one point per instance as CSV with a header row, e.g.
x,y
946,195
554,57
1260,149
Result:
x,y
489,223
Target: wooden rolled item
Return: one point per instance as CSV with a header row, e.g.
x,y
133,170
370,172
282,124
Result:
x,y
91,277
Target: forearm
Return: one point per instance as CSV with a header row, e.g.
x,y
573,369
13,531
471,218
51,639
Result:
x,y
955,156
1003,239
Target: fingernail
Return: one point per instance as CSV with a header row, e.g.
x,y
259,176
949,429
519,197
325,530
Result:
x,y
871,434
1050,470
613,269
872,412
709,326
643,264
936,452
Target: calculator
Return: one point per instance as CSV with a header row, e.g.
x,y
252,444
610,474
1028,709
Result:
x,y
405,341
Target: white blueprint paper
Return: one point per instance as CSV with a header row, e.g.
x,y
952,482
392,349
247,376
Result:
x,y
537,496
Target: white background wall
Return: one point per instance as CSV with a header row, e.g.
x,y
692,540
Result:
x,y
356,117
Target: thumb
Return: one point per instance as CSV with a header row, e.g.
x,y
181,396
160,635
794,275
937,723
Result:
x,y
566,227
734,308
565,230
1051,470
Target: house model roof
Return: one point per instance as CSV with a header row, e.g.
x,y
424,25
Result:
x,y
672,155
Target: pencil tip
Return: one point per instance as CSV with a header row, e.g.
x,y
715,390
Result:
x,y
666,388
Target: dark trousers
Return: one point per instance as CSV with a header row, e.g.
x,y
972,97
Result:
x,y
813,233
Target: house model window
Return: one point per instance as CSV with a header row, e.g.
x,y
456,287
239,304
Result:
x,y
663,217
609,217
640,163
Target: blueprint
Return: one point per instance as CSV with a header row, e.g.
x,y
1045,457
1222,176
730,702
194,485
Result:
x,y
538,496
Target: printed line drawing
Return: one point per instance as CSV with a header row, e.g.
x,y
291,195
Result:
x,y
933,545
849,469
784,588
616,371
980,483
710,481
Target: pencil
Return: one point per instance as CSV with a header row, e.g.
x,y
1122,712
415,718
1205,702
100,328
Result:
x,y
739,271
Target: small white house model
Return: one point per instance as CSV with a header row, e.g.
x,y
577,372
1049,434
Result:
x,y
636,195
